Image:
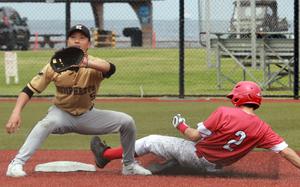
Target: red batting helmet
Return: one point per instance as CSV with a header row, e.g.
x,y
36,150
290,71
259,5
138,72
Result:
x,y
245,92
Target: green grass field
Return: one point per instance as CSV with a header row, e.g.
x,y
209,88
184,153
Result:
x,y
144,71
151,118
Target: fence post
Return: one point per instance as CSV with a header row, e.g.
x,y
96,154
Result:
x,y
296,49
181,49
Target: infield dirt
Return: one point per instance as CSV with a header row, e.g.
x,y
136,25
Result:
x,y
256,169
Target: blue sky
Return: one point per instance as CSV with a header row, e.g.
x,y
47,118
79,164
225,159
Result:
x,y
165,9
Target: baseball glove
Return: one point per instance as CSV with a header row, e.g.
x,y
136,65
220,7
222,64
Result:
x,y
66,59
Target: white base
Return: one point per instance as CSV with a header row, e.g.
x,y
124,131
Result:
x,y
64,166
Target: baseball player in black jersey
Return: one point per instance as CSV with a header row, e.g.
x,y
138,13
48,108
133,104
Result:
x,y
73,107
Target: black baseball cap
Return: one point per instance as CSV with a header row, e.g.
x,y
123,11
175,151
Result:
x,y
79,28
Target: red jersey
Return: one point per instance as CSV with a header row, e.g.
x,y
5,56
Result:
x,y
230,133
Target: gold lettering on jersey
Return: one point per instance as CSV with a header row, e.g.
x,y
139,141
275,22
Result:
x,y
76,90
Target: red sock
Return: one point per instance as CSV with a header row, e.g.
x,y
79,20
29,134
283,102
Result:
x,y
114,153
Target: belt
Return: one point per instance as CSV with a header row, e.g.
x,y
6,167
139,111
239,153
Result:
x,y
85,112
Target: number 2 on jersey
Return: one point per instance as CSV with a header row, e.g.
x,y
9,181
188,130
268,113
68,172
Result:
x,y
242,135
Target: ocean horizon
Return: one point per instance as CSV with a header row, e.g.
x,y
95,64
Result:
x,y
165,30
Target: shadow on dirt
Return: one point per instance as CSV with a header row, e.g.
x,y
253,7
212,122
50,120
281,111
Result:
x,y
172,167
178,170
255,166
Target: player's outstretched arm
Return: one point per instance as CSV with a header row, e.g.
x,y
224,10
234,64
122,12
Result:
x,y
291,156
191,133
97,63
14,121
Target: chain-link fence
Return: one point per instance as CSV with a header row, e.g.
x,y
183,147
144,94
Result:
x,y
142,39
250,40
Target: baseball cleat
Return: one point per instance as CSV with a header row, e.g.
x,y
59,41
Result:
x,y
15,170
98,148
135,169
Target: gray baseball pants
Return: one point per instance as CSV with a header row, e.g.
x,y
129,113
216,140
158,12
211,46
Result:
x,y
170,148
93,122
